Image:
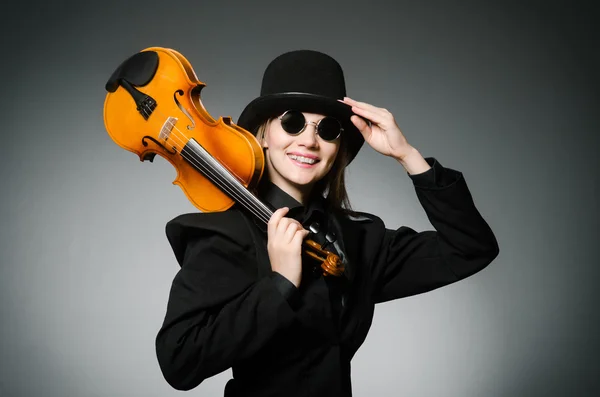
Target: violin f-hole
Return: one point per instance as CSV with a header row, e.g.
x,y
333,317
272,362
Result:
x,y
150,156
180,92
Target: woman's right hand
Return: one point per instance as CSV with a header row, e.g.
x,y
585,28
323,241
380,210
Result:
x,y
284,244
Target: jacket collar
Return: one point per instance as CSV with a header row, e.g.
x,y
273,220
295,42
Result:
x,y
276,198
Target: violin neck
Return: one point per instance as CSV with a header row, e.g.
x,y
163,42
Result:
x,y
214,171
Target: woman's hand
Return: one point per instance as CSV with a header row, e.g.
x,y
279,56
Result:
x,y
284,245
383,134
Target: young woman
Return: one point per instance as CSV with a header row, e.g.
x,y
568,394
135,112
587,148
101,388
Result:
x,y
246,298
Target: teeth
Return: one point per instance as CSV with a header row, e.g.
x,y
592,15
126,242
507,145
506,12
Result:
x,y
302,159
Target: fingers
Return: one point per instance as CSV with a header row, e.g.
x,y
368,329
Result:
x,y
375,114
299,237
275,219
362,126
364,105
288,229
284,229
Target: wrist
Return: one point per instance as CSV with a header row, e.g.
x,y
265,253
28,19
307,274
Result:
x,y
413,162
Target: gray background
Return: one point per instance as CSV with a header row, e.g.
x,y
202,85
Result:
x,y
505,93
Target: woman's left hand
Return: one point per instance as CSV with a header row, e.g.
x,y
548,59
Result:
x,y
383,134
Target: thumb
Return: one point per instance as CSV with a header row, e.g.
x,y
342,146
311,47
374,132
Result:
x,y
362,125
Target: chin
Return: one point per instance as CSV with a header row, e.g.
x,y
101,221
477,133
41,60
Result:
x,y
303,180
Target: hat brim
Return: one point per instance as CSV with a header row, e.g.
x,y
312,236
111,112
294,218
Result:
x,y
269,106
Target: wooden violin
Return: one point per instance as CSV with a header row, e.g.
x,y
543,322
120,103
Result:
x,y
153,107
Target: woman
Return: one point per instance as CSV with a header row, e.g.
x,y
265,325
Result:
x,y
246,299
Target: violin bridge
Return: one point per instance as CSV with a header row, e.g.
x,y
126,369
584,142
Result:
x,y
167,128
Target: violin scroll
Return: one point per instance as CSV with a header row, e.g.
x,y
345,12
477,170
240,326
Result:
x,y
330,262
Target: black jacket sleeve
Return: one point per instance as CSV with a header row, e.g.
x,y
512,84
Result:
x,y
410,263
219,311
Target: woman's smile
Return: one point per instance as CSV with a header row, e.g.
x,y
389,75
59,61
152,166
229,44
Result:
x,y
303,160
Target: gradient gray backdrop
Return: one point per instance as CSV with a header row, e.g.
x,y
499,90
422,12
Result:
x,y
505,93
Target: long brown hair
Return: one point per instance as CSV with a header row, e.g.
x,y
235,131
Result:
x,y
333,186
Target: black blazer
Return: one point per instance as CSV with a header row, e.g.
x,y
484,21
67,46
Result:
x,y
226,311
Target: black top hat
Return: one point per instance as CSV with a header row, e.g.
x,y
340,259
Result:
x,y
307,81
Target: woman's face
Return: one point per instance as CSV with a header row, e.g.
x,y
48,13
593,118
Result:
x,y
296,162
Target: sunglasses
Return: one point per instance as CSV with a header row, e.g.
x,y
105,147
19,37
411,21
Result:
x,y
328,128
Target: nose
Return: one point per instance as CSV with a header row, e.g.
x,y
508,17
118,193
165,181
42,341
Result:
x,y
308,137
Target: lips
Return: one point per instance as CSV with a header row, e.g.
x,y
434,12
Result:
x,y
301,159
309,156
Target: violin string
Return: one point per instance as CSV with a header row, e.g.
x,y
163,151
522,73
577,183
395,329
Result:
x,y
227,187
214,164
194,161
230,181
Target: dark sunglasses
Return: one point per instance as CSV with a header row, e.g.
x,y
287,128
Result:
x,y
328,128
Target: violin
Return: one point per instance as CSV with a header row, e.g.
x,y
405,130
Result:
x,y
153,107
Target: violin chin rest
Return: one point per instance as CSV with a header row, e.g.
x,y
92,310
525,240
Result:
x,y
138,70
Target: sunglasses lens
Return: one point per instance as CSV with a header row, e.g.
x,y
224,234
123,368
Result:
x,y
292,122
329,129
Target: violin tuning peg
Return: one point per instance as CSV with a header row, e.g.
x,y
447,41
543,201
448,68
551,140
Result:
x,y
314,227
330,237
